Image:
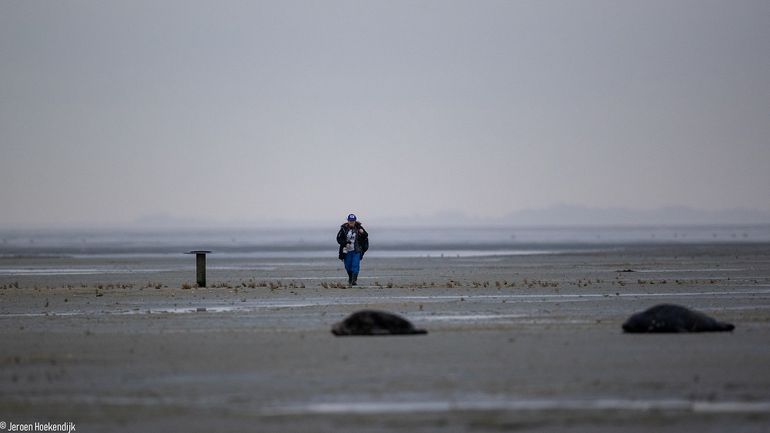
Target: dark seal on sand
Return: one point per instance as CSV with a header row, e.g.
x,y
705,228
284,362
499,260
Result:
x,y
673,318
373,322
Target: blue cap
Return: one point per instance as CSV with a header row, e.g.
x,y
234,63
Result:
x,y
352,217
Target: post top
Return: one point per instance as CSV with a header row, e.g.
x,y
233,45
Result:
x,y
198,252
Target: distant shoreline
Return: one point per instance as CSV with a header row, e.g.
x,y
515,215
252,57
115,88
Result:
x,y
382,250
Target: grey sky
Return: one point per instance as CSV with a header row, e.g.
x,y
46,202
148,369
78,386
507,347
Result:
x,y
239,111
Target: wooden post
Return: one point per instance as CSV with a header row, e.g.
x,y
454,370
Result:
x,y
200,266
200,269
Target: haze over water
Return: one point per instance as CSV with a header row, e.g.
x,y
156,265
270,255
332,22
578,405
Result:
x,y
385,241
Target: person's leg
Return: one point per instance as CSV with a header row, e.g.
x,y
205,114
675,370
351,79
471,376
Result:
x,y
355,266
348,266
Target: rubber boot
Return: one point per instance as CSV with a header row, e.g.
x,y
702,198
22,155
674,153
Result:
x,y
354,282
350,278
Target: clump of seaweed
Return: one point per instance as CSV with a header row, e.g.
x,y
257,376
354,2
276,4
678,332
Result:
x,y
333,285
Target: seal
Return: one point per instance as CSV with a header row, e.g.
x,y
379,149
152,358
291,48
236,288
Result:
x,y
373,322
673,318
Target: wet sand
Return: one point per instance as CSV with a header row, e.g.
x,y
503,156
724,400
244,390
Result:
x,y
525,343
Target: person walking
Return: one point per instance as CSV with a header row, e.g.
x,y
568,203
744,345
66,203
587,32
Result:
x,y
354,242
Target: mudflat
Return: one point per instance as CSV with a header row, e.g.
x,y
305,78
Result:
x,y
524,343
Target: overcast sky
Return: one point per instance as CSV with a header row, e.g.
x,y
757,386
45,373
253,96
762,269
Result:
x,y
242,111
